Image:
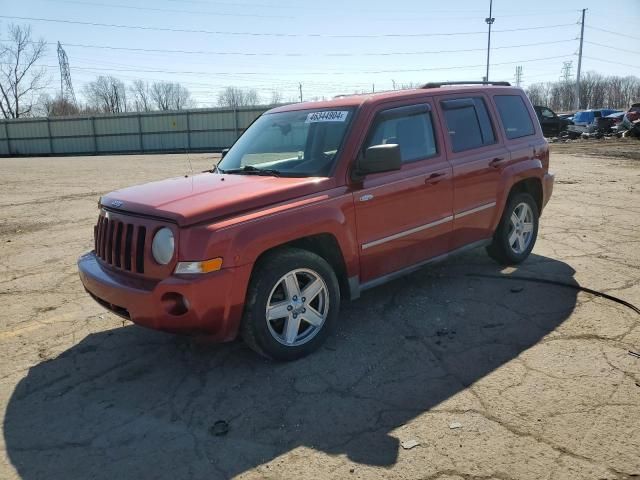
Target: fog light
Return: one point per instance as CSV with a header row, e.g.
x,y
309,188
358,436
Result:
x,y
174,303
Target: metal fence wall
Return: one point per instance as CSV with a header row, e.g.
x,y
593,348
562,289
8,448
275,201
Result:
x,y
144,132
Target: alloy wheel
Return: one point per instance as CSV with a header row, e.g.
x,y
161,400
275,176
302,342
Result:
x,y
520,228
297,307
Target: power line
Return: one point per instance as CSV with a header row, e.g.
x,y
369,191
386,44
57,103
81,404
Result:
x,y
609,61
613,48
263,34
346,8
612,32
258,15
294,54
170,10
324,72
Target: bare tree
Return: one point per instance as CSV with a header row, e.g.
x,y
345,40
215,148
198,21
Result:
x,y
596,91
235,97
141,95
170,96
106,94
47,106
276,97
631,90
536,94
20,80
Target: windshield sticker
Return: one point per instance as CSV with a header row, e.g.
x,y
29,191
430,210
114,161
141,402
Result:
x,y
327,116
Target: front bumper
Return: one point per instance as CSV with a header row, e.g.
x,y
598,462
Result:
x,y
213,307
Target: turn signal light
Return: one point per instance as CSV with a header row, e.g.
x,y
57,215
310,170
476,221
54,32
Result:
x,y
206,266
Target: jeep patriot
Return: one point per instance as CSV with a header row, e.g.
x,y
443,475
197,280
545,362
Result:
x,y
317,202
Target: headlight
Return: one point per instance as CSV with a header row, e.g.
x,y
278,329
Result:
x,y
163,246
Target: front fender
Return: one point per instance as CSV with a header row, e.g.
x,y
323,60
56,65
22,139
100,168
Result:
x,y
242,239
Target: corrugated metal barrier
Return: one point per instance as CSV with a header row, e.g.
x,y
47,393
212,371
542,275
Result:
x,y
145,132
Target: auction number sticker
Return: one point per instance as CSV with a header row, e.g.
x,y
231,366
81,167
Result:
x,y
327,116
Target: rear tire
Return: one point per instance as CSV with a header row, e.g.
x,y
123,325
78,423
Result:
x,y
279,321
517,231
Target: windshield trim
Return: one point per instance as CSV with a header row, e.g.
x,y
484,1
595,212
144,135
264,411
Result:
x,y
355,110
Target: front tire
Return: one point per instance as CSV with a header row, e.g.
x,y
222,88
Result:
x,y
292,304
517,232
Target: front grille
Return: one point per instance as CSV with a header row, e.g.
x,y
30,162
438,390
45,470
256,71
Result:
x,y
120,244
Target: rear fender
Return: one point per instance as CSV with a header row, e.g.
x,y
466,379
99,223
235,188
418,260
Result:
x,y
512,175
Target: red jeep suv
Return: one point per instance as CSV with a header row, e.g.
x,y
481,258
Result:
x,y
317,202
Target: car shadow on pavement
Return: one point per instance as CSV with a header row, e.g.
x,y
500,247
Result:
x,y
134,403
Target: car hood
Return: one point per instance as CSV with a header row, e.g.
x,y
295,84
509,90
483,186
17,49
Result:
x,y
209,196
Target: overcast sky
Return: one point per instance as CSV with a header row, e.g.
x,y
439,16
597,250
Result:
x,y
330,46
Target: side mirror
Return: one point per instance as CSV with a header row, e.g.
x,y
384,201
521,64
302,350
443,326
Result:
x,y
224,152
378,159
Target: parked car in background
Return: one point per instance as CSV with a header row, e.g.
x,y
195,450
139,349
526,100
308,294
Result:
x,y
586,121
567,116
614,120
633,113
551,123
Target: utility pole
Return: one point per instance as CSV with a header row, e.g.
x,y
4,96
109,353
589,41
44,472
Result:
x,y
518,75
373,88
489,21
300,88
580,61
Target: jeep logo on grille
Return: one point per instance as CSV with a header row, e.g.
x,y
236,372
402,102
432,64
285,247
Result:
x,y
116,203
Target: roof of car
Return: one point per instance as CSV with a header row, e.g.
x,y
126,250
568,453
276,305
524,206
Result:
x,y
359,99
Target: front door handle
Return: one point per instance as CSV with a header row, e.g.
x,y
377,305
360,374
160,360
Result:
x,y
496,162
434,178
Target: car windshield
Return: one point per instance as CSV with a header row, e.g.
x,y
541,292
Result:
x,y
301,143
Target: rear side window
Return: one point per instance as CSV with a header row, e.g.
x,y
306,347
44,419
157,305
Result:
x,y
468,123
514,115
410,127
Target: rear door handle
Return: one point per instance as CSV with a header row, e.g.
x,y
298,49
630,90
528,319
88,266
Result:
x,y
496,162
434,178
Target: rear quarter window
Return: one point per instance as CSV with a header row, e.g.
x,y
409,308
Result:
x,y
514,115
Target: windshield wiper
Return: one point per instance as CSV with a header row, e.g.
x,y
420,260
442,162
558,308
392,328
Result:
x,y
251,170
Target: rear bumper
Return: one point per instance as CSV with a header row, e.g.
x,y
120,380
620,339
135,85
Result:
x,y
212,307
547,187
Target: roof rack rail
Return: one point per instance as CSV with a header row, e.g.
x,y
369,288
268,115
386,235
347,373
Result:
x,y
440,84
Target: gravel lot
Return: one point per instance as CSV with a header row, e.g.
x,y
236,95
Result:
x,y
493,379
